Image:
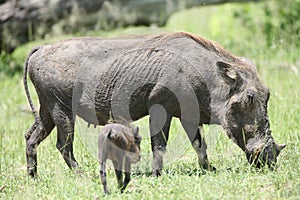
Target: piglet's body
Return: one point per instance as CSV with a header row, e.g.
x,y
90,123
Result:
x,y
121,144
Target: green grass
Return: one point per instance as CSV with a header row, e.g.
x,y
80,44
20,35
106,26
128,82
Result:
x,y
182,179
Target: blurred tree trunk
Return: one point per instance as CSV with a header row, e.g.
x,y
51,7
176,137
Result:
x,y
24,20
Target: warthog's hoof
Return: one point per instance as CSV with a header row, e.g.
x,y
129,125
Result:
x,y
107,192
208,167
212,168
32,172
156,173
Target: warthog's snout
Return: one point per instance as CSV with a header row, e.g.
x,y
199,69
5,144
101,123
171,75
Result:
x,y
263,151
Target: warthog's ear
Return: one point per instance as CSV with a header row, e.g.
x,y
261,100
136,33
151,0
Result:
x,y
280,147
226,71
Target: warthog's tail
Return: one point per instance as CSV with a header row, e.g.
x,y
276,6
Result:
x,y
36,115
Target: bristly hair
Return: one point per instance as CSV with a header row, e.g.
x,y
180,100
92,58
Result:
x,y
215,47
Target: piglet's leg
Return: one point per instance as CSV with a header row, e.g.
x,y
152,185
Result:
x,y
118,171
103,175
127,174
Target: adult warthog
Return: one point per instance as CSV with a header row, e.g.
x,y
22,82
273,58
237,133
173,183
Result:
x,y
164,76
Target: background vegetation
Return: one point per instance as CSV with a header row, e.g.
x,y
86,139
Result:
x,y
266,32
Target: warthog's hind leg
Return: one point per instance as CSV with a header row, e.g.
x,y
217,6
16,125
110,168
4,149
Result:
x,y
64,122
34,136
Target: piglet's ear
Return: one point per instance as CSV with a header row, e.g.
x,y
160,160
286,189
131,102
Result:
x,y
136,131
226,71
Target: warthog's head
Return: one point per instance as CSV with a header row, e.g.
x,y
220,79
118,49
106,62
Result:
x,y
246,116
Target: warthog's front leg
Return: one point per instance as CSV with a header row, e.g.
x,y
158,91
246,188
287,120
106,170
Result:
x,y
199,145
118,165
159,139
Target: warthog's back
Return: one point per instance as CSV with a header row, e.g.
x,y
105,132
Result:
x,y
93,70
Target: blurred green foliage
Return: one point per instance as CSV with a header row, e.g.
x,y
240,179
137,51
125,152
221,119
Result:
x,y
279,21
8,65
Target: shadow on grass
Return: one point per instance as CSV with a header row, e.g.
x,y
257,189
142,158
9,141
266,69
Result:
x,y
182,168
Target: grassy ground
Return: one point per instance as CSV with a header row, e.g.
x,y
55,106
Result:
x,y
182,179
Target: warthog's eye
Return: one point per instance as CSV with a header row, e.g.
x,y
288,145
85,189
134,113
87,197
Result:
x,y
249,128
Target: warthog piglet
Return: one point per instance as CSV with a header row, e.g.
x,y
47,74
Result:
x,y
121,144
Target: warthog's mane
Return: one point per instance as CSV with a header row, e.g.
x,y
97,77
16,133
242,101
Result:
x,y
215,47
212,46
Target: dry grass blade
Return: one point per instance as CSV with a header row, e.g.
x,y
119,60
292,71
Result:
x,y
2,188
